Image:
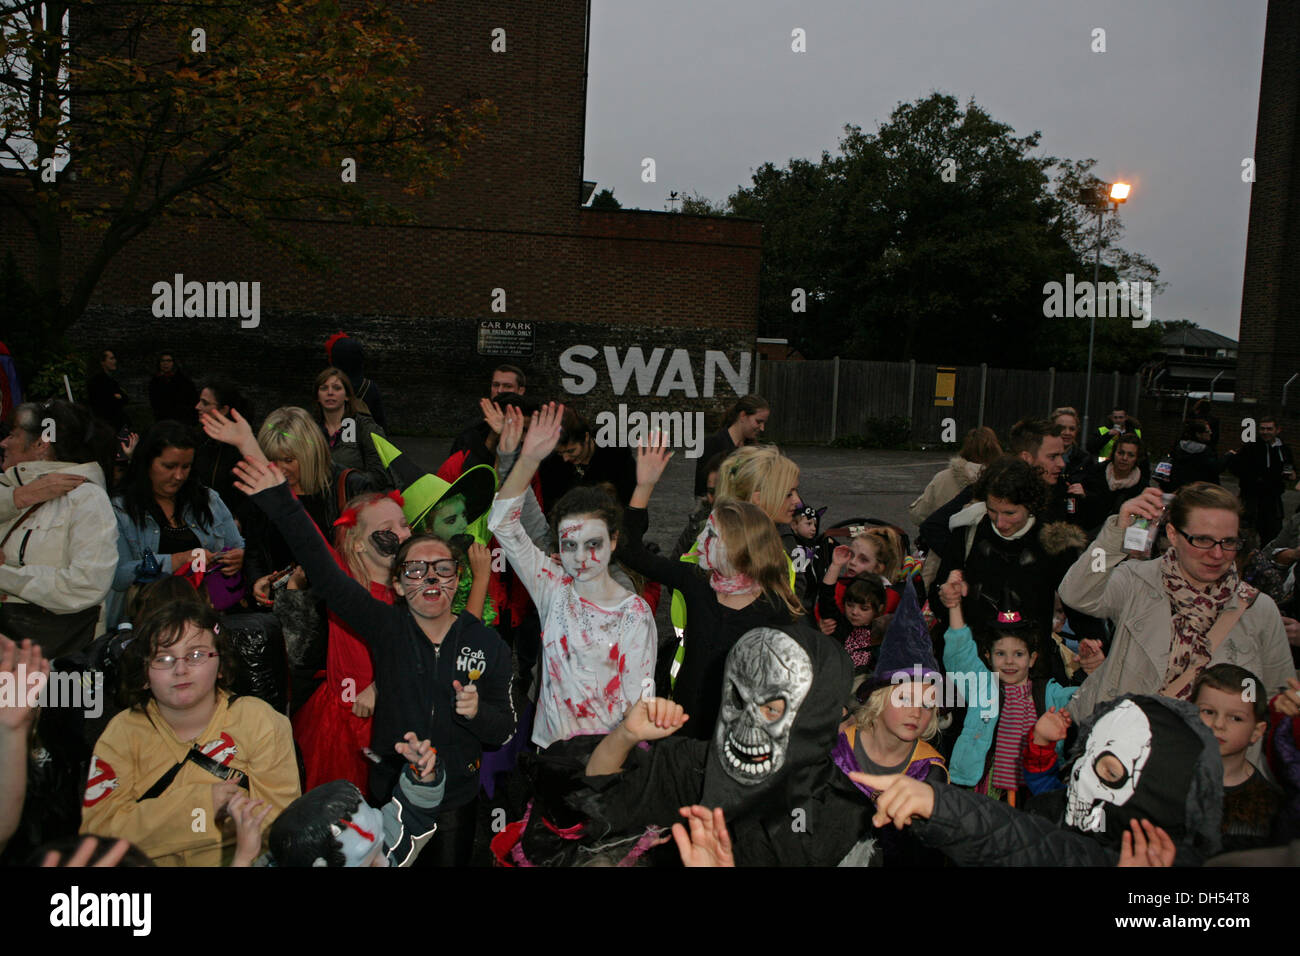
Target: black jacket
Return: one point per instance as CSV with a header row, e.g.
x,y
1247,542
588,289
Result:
x,y
414,676
1193,461
1259,468
711,629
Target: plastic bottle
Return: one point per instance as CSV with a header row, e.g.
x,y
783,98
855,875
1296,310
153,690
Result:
x,y
1140,536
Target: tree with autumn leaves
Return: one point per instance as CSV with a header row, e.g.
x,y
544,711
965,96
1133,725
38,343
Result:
x,y
114,115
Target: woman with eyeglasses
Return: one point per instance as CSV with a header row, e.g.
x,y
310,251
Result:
x,y
445,675
165,770
1178,614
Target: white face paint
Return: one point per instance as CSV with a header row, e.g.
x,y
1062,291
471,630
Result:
x,y
584,548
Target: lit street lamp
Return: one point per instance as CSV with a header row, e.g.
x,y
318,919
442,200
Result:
x,y
1118,194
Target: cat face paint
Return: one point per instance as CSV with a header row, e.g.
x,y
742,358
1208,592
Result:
x,y
585,548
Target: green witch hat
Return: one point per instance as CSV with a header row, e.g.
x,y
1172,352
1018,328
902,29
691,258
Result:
x,y
421,490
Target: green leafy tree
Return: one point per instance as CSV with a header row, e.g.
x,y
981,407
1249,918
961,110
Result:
x,y
249,120
605,200
932,238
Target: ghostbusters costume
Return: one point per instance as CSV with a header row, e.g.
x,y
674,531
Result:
x,y
139,748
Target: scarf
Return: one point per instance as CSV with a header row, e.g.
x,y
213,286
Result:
x,y
1014,724
1115,484
1195,608
971,515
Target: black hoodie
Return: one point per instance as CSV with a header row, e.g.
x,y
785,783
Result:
x,y
804,812
973,830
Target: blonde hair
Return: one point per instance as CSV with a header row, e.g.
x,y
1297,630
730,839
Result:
x,y
290,432
869,712
758,468
889,548
754,549
346,537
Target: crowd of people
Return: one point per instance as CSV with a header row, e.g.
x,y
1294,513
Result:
x,y
286,642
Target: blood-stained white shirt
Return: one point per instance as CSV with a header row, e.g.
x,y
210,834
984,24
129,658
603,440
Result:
x,y
596,661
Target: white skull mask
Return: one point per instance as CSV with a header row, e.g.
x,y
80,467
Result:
x,y
1123,735
764,665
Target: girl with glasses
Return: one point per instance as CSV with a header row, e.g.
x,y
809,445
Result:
x,y
445,676
1178,614
164,770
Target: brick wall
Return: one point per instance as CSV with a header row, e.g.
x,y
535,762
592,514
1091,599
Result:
x,y
509,219
1269,351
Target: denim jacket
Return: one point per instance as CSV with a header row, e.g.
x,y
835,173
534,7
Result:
x,y
133,539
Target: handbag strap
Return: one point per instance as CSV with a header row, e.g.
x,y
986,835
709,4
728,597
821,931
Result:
x,y
14,527
343,489
1218,632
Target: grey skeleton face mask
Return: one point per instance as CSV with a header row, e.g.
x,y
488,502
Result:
x,y
763,666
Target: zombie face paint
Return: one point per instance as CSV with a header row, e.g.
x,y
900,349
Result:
x,y
361,837
753,731
585,547
449,517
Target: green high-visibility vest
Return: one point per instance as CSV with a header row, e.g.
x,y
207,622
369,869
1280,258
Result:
x,y
1107,448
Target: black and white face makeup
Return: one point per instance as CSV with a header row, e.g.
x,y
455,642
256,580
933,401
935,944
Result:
x,y
1111,767
768,675
585,548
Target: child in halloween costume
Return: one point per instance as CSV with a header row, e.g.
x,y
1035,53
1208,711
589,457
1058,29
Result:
x,y
809,549
333,727
989,753
1139,763
184,744
769,755
449,510
332,825
598,639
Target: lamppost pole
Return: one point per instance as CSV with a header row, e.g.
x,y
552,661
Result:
x,y
1085,431
1112,194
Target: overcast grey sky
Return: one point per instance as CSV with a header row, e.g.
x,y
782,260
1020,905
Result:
x,y
711,90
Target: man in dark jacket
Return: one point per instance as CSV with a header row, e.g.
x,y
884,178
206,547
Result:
x,y
473,437
1263,468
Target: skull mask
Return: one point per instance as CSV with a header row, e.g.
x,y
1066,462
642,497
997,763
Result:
x,y
1120,743
764,665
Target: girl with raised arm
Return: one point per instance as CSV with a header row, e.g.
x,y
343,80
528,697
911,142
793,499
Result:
x,y
598,638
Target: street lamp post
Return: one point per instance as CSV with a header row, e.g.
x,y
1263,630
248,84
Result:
x,y
1117,194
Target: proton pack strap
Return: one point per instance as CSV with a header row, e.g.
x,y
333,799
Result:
x,y
196,756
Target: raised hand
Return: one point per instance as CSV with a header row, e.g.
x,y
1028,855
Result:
x,y
1051,726
1149,504
420,754
1146,845
651,460
709,843
544,432
234,430
841,555
953,590
512,429
492,414
654,719
25,659
480,560
255,476
85,850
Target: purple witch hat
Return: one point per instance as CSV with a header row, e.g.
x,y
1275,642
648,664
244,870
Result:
x,y
907,648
